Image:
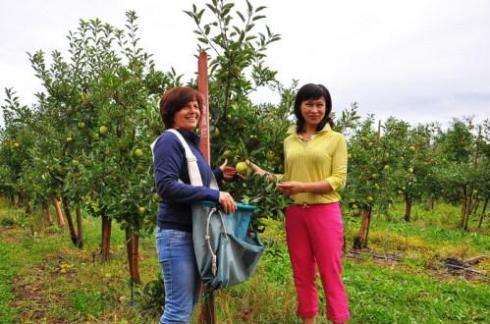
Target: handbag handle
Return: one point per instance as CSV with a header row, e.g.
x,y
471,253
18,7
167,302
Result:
x,y
214,210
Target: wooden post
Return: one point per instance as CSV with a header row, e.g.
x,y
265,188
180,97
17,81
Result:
x,y
202,82
207,314
59,213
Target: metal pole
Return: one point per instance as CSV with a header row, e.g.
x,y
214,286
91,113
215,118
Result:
x,y
207,314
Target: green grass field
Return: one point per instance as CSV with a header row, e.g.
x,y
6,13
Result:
x,y
399,279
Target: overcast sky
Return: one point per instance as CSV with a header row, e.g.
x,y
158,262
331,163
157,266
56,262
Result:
x,y
418,60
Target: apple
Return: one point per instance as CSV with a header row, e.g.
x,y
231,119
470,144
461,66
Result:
x,y
227,154
103,130
138,152
242,168
270,155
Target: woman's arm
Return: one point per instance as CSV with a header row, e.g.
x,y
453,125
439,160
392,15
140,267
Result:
x,y
258,170
295,187
339,166
224,172
334,182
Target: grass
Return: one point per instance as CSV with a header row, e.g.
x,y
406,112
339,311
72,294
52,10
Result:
x,y
7,270
8,267
383,295
61,283
43,278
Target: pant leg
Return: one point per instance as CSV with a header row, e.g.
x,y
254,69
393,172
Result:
x,y
302,261
180,275
326,228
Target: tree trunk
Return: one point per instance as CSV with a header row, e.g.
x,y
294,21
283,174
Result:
x,y
430,202
47,212
361,239
463,213
106,238
11,198
19,201
476,205
468,209
464,202
59,213
28,205
79,228
408,207
483,213
132,242
71,226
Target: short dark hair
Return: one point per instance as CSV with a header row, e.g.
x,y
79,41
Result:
x,y
174,100
308,92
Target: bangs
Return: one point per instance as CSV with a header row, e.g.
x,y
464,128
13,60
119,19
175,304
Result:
x,y
312,92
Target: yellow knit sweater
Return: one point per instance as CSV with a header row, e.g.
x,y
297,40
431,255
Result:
x,y
322,158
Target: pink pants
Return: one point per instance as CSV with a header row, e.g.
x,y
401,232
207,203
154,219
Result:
x,y
315,236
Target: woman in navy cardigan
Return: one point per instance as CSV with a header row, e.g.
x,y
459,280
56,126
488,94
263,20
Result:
x,y
180,109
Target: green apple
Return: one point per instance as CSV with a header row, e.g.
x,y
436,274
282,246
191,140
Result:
x,y
103,130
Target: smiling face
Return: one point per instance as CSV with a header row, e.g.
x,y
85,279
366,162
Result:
x,y
313,111
188,116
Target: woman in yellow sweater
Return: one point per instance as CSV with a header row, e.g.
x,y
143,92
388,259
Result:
x,y
315,171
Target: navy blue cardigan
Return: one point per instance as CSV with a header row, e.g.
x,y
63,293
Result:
x,y
169,166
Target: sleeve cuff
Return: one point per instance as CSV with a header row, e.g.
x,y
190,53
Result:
x,y
212,195
218,174
331,181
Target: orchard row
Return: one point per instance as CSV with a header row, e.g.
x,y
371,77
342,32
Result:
x,y
84,146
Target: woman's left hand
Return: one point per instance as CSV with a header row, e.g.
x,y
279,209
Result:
x,y
291,187
228,172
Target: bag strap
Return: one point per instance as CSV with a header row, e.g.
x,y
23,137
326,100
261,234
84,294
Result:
x,y
192,167
214,210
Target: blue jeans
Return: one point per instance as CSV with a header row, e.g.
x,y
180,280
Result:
x,y
180,274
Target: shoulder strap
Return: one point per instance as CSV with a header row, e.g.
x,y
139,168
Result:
x,y
192,167
152,146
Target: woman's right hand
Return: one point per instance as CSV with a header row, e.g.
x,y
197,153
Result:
x,y
256,169
227,202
